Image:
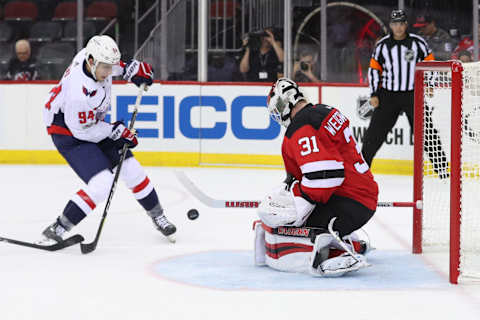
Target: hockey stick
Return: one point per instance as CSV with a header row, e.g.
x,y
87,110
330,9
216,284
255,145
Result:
x,y
54,247
215,203
89,247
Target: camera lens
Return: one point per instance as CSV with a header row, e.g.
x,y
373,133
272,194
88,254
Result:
x,y
304,66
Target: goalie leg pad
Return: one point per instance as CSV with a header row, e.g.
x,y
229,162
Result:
x,y
354,243
320,252
287,253
259,244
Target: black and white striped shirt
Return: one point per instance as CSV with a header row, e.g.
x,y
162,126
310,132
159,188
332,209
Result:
x,y
392,66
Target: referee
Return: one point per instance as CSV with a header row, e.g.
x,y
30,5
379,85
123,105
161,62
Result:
x,y
391,76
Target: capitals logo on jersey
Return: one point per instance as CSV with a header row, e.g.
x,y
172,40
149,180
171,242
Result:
x,y
88,93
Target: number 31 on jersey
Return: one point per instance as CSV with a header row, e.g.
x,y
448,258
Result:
x,y
309,145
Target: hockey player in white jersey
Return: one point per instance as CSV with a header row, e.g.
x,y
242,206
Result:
x,y
74,115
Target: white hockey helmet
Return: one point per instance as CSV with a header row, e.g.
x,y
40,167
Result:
x,y
282,98
102,49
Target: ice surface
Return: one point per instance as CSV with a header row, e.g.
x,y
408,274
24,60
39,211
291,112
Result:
x,y
135,273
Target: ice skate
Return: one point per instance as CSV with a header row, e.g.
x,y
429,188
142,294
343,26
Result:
x,y
338,266
165,227
53,233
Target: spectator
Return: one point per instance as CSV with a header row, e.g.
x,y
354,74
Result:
x,y
438,39
454,34
465,44
222,68
305,69
22,67
262,56
465,56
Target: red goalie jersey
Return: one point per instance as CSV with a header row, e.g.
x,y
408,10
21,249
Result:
x,y
320,151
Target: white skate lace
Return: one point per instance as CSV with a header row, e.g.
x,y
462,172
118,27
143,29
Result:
x,y
162,221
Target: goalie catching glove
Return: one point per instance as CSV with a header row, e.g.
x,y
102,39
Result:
x,y
138,73
123,135
284,206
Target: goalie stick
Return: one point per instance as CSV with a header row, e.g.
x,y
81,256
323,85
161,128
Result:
x,y
216,203
53,247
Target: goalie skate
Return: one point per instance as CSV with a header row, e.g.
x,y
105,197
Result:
x,y
338,266
167,228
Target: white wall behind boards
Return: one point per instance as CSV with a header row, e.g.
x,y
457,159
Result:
x,y
204,118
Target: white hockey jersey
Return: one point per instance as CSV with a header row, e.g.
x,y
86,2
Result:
x,y
78,104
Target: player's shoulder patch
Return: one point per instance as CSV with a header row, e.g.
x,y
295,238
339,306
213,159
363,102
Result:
x,y
312,115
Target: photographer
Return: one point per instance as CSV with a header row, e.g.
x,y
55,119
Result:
x,y
304,69
262,56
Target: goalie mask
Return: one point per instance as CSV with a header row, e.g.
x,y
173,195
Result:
x,y
283,96
102,49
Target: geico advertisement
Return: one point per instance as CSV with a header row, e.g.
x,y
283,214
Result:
x,y
399,141
207,119
171,117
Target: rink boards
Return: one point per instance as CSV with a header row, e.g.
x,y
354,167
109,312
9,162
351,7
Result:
x,y
192,124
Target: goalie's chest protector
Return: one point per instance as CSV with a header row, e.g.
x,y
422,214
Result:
x,y
319,142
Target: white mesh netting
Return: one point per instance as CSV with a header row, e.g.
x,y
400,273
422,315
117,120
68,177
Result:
x,y
437,157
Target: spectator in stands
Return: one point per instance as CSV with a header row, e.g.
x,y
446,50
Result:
x,y
454,33
222,68
438,39
23,66
465,44
465,56
304,70
263,53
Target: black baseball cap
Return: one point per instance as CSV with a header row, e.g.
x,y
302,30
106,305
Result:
x,y
398,15
422,20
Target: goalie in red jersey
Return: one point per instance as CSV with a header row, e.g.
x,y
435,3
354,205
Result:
x,y
329,183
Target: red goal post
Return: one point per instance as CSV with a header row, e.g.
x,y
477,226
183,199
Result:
x,y
446,164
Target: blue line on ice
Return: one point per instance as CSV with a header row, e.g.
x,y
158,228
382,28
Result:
x,y
233,270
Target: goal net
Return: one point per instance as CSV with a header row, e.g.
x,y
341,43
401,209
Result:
x,y
447,164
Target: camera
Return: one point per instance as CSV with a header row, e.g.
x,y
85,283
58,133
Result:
x,y
304,66
255,39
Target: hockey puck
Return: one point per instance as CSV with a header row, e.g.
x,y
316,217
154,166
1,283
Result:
x,y
192,214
